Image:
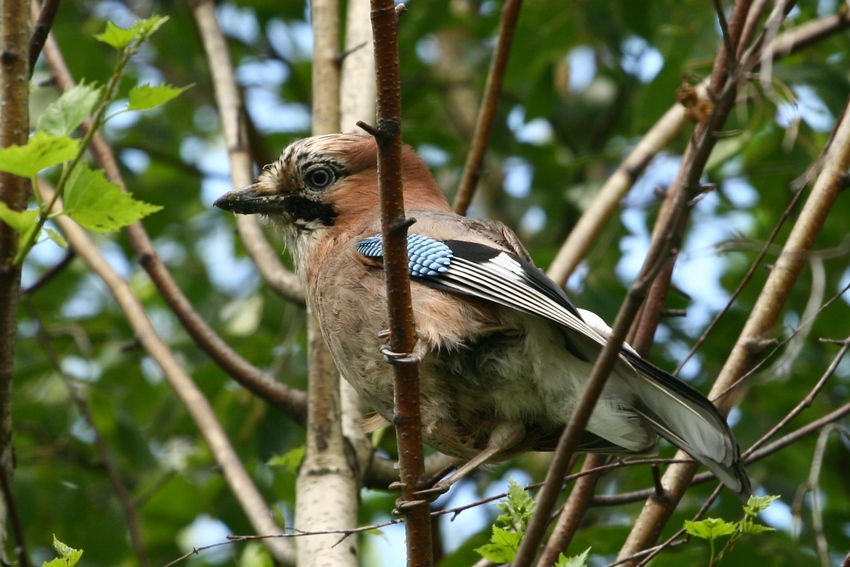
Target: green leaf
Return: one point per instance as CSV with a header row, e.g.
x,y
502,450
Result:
x,y
751,528
40,152
758,504
148,26
710,528
502,547
56,237
64,114
146,97
119,38
68,556
579,560
100,205
289,461
21,221
518,507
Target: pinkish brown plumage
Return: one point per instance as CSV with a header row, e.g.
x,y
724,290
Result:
x,y
507,354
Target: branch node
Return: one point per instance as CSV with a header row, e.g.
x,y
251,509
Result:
x,y
659,493
385,132
338,60
401,225
404,507
368,128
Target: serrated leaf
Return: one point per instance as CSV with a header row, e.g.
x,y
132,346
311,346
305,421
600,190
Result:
x,y
119,38
56,237
68,555
21,221
289,461
756,504
710,528
64,114
148,26
502,547
579,560
142,29
40,152
146,97
98,204
751,528
518,507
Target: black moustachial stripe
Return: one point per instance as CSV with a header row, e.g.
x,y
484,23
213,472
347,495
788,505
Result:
x,y
306,211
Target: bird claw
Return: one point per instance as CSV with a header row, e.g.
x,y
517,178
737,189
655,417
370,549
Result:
x,y
434,492
403,506
419,350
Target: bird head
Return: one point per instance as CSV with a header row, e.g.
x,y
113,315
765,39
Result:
x,y
329,184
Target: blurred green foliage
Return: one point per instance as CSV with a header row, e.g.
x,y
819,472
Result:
x,y
586,80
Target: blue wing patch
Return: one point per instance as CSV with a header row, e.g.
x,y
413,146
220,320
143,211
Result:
x,y
427,257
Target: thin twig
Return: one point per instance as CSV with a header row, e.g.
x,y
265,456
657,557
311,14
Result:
x,y
196,404
41,29
50,273
121,491
489,105
607,201
289,400
14,521
686,186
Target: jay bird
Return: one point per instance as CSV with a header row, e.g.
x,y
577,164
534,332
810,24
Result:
x,y
506,354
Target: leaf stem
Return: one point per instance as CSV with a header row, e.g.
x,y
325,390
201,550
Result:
x,y
98,119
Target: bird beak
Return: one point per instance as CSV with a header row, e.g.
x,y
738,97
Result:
x,y
247,201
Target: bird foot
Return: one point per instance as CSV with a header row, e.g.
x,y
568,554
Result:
x,y
403,506
420,349
425,496
433,492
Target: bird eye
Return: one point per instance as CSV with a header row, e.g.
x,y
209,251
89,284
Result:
x,y
319,178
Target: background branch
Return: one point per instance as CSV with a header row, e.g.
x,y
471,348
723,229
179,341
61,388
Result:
x,y
328,485
196,404
764,316
290,401
489,105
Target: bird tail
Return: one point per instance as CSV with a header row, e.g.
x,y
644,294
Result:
x,y
688,420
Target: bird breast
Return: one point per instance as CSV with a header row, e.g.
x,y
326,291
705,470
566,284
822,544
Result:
x,y
485,365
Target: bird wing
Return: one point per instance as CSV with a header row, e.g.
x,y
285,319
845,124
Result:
x,y
676,411
475,269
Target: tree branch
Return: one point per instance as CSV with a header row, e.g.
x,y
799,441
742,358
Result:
x,y
229,103
41,29
607,201
357,102
121,491
196,404
14,193
292,402
489,105
403,336
764,315
327,488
